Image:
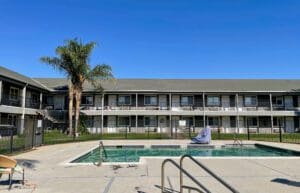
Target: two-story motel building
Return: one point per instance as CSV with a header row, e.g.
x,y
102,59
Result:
x,y
157,104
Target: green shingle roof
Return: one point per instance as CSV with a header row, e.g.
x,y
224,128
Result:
x,y
4,72
165,85
185,85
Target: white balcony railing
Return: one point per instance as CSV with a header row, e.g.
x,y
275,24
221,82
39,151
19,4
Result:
x,y
190,107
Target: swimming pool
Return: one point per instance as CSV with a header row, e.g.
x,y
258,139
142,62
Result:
x,y
133,153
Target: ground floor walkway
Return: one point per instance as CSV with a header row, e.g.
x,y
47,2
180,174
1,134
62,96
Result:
x,y
46,172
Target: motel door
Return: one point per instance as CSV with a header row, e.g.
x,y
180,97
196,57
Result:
x,y
289,125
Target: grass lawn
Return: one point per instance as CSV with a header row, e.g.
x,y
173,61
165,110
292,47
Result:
x,y
54,137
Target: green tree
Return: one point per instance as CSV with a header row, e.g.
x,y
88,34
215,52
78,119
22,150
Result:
x,y
72,59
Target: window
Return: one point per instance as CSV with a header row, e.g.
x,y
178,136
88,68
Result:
x,y
49,100
150,121
123,121
35,98
213,121
186,100
232,121
124,100
252,121
189,121
264,122
250,101
198,121
13,93
87,100
12,120
151,100
213,101
89,122
277,100
277,121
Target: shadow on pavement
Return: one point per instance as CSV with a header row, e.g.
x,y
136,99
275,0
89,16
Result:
x,y
286,182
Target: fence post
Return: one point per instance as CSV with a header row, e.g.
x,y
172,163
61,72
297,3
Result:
x,y
43,129
280,132
148,132
219,134
190,135
33,133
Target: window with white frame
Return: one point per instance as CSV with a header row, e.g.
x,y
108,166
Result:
x,y
151,100
250,101
150,121
87,100
13,93
213,101
124,100
186,100
252,121
277,100
123,121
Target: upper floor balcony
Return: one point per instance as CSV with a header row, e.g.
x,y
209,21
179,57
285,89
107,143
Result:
x,y
32,102
11,100
181,102
11,94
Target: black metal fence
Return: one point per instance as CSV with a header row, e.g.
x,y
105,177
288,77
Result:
x,y
11,142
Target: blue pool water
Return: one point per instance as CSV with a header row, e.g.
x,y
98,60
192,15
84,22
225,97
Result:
x,y
133,154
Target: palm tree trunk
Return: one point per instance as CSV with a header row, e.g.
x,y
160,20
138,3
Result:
x,y
77,110
71,96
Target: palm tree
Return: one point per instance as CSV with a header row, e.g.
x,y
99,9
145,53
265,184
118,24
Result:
x,y
73,60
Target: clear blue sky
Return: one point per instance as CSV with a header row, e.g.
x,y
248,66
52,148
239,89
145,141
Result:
x,y
158,38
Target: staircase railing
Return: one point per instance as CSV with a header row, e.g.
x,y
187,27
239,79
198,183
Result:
x,y
183,171
229,187
163,188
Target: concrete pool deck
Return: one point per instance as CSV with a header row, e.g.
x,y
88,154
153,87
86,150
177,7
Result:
x,y
46,171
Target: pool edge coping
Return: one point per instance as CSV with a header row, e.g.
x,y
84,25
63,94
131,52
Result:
x,y
143,159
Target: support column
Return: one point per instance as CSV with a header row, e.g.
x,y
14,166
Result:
x,y
170,101
136,108
257,124
203,104
171,128
136,101
271,109
0,91
194,123
170,110
22,121
136,123
41,100
237,112
102,116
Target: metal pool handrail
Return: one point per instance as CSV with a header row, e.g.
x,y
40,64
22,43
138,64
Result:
x,y
101,147
207,170
192,188
183,171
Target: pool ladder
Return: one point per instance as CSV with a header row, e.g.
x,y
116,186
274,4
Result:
x,y
183,171
236,140
101,151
